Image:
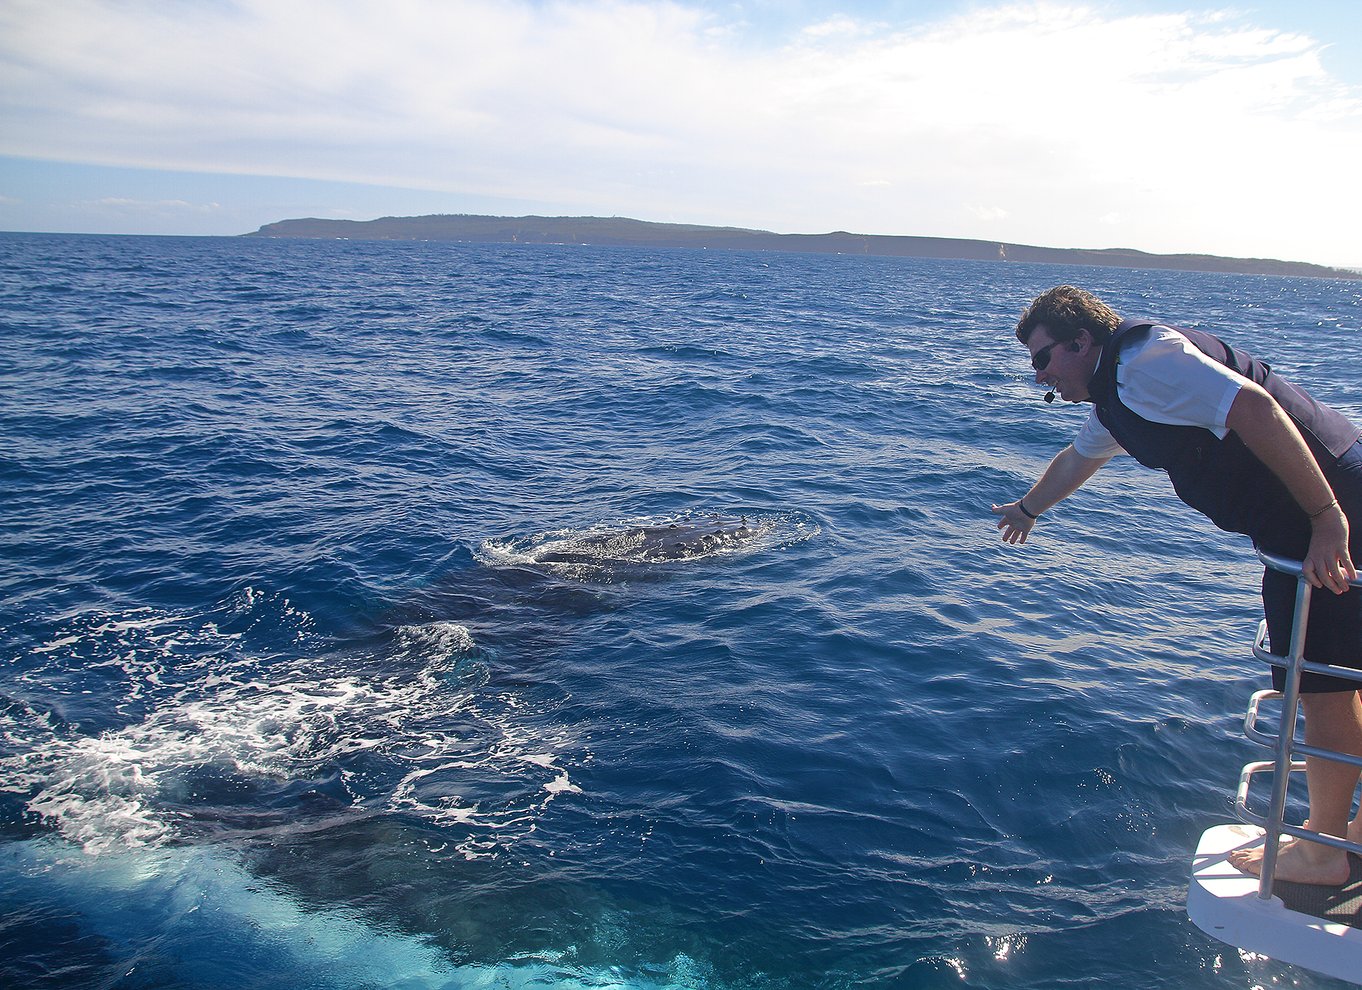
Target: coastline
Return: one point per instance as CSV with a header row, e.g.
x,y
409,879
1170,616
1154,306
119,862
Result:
x,y
626,232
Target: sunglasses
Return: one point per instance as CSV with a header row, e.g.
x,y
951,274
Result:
x,y
1041,359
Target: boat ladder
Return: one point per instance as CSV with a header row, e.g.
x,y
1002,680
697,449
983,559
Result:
x,y
1313,926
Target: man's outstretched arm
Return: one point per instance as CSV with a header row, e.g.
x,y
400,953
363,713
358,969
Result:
x,y
1062,478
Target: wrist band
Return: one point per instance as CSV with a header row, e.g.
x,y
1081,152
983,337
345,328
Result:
x,y
1313,516
1030,515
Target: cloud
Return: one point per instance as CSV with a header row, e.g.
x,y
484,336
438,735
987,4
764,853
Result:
x,y
1203,131
839,25
159,207
987,213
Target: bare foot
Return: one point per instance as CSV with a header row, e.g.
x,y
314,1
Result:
x,y
1300,861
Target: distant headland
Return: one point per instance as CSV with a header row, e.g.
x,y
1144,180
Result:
x,y
623,232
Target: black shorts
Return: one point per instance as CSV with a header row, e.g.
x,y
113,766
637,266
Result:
x,y
1334,634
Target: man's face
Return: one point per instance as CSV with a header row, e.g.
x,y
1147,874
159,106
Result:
x,y
1067,368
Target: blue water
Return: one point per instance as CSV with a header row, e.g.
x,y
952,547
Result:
x,y
287,699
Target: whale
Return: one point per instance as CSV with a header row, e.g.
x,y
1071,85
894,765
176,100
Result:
x,y
684,539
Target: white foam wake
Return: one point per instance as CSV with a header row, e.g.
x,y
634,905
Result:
x,y
431,737
422,720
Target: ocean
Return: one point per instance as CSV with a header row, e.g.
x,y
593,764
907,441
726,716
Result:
x,y
293,692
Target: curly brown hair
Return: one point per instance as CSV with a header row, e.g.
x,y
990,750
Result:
x,y
1065,311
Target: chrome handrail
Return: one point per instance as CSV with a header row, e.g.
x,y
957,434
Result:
x,y
1284,744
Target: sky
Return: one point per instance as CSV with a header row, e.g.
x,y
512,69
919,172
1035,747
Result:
x,y
1228,128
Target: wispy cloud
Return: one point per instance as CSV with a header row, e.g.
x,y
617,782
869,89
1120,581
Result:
x,y
988,213
1203,131
141,205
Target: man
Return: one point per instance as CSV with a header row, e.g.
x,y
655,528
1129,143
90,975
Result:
x,y
1257,456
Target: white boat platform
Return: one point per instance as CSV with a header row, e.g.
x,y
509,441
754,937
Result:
x,y
1317,927
1310,925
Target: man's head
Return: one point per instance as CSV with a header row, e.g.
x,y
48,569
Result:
x,y
1064,311
1064,330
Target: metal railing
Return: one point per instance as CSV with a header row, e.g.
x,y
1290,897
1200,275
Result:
x,y
1284,742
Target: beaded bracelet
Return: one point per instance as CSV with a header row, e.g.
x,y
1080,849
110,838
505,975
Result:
x,y
1313,516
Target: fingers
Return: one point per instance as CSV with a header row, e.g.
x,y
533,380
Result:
x,y
1349,568
1014,525
1315,574
1333,575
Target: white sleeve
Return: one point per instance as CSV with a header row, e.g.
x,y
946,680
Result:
x,y
1166,379
1094,441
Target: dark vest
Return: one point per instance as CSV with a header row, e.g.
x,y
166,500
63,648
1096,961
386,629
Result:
x,y
1220,478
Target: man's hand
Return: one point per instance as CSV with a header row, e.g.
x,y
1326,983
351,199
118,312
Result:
x,y
1015,523
1327,563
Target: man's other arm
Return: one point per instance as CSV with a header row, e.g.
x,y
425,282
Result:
x,y
1270,434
